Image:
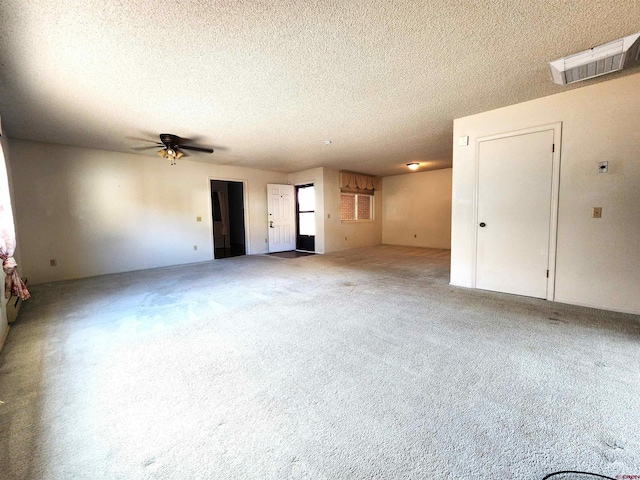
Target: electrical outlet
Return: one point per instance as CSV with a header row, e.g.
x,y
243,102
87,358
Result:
x,y
603,167
345,239
597,212
328,215
266,240
415,235
198,219
53,262
195,247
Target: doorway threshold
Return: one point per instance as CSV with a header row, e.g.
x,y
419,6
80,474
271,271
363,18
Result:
x,y
290,254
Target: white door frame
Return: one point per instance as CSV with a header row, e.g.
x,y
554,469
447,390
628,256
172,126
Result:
x,y
245,199
555,189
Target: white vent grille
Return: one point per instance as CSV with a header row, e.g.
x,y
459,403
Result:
x,y
607,58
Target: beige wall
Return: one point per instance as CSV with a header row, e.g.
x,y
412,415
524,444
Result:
x,y
416,209
357,234
598,260
99,212
315,176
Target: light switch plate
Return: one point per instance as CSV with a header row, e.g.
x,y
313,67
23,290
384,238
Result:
x,y
597,212
463,141
603,167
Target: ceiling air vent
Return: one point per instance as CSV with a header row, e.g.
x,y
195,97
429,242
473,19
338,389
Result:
x,y
596,61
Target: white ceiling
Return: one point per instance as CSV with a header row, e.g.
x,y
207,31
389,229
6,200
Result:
x,y
266,82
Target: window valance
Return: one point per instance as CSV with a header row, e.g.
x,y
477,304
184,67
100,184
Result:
x,y
358,183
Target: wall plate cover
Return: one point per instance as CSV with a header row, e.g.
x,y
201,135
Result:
x,y
603,167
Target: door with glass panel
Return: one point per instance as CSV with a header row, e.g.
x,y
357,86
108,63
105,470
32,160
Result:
x,y
306,225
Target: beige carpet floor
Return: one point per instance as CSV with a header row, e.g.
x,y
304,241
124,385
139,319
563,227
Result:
x,y
362,364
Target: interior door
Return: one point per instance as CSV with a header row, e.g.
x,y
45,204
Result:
x,y
514,213
282,217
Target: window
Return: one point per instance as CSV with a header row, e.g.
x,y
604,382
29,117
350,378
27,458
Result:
x,y
356,208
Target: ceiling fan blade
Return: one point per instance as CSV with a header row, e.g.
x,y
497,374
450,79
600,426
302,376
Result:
x,y
146,148
195,149
191,139
140,139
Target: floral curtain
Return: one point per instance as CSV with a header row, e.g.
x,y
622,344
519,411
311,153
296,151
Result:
x,y
13,284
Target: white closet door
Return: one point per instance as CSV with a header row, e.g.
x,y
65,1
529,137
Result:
x,y
514,213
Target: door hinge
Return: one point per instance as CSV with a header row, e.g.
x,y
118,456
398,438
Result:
x,y
553,148
547,273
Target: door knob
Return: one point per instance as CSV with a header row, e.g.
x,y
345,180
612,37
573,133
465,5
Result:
x,y
482,224
271,224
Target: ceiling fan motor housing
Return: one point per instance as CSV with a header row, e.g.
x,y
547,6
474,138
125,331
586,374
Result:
x,y
170,141
175,143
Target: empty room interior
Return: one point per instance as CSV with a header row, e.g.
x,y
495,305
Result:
x,y
320,240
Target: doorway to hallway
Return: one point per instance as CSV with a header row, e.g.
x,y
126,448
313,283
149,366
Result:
x,y
227,211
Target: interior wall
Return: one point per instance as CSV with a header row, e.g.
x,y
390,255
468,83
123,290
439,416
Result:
x,y
597,259
97,212
416,209
340,235
315,176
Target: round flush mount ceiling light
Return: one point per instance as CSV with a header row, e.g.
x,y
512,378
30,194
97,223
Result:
x,y
413,166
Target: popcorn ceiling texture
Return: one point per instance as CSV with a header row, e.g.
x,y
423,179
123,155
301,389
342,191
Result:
x,y
268,81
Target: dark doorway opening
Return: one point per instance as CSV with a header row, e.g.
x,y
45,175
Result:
x,y
306,216
227,209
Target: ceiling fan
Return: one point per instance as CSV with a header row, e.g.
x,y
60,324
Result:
x,y
172,146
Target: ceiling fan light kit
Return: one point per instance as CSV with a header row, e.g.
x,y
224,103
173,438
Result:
x,y
171,153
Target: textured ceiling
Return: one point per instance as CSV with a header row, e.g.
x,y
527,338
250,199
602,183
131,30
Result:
x,y
266,82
